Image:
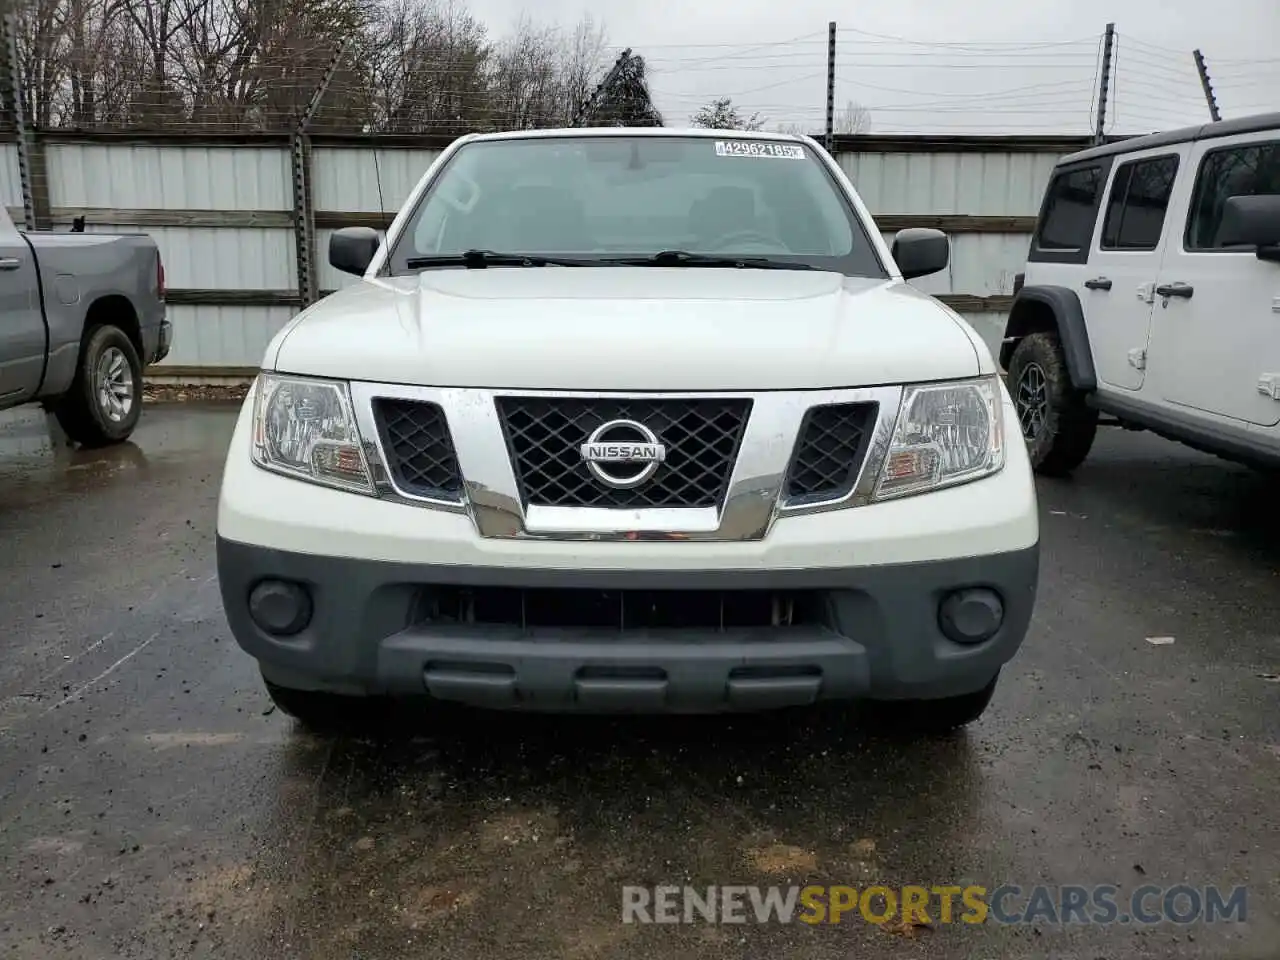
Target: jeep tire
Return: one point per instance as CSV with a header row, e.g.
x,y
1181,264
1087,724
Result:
x,y
1056,422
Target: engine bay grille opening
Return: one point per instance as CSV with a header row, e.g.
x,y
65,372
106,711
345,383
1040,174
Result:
x,y
830,448
419,448
621,610
701,437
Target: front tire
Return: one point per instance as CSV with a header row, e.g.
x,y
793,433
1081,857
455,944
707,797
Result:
x,y
105,399
936,718
1056,422
326,713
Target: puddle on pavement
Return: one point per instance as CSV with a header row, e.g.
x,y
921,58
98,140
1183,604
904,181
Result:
x,y
169,437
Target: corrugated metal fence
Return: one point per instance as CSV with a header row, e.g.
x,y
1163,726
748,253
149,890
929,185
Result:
x,y
223,214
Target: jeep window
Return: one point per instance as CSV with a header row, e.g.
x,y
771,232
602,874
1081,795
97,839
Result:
x,y
1248,170
1139,198
1070,206
594,198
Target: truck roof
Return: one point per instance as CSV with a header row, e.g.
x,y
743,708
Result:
x,y
633,132
1204,131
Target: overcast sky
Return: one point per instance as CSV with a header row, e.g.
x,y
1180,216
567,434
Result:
x,y
956,66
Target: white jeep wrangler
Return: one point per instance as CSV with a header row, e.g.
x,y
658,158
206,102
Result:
x,y
1152,293
630,420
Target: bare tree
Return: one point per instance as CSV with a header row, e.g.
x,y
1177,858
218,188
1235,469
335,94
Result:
x,y
406,66
854,118
42,61
582,66
91,30
427,68
158,24
797,129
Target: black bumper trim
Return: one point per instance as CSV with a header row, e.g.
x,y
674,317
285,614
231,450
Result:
x,y
882,640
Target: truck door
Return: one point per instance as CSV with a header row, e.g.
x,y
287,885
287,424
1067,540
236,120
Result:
x,y
22,332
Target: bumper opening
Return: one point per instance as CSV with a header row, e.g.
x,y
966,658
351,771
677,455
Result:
x,y
622,610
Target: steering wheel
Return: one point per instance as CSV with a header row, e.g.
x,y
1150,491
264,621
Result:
x,y
747,237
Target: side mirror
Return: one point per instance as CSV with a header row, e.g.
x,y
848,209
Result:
x,y
351,249
920,251
1252,222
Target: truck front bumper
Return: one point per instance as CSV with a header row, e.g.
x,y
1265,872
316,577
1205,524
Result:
x,y
873,632
340,592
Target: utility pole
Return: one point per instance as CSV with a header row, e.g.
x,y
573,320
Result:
x,y
586,108
1104,84
830,140
1209,96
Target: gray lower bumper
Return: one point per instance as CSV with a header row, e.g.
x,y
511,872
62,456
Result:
x,y
879,636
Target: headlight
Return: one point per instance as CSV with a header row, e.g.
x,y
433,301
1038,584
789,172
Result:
x,y
306,428
947,433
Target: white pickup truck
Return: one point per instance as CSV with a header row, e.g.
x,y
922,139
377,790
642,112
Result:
x,y
630,420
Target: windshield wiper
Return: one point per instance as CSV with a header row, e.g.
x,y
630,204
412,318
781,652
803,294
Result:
x,y
682,258
479,259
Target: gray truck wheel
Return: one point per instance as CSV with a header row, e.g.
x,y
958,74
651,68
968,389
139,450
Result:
x,y
105,399
1057,424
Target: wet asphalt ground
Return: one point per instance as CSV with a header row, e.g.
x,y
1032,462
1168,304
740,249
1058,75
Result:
x,y
153,805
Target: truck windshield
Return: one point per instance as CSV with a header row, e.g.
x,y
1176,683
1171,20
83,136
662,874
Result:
x,y
602,199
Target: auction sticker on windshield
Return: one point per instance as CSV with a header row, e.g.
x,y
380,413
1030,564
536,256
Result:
x,y
756,148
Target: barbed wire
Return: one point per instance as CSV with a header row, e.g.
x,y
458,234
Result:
x,y
437,81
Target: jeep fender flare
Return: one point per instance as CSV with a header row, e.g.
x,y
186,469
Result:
x,y
1045,309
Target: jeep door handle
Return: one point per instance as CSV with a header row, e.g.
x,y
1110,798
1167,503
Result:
x,y
1098,283
10,263
1183,290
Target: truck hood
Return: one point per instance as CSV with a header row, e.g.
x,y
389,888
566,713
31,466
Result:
x,y
630,328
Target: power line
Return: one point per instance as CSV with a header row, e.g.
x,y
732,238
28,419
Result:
x,y
1022,45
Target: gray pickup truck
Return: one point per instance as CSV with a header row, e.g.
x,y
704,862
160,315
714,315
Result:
x,y
80,315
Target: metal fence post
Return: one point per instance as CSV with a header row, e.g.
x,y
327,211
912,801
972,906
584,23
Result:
x,y
1209,96
303,217
1104,84
830,139
304,214
12,79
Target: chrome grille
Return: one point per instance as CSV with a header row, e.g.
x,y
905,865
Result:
x,y
829,451
419,448
544,436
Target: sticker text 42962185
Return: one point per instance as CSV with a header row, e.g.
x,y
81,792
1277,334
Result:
x,y
759,148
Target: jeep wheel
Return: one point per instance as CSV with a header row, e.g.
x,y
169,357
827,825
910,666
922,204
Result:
x,y
1056,423
104,401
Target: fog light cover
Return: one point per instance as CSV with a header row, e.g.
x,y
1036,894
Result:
x,y
972,615
279,607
